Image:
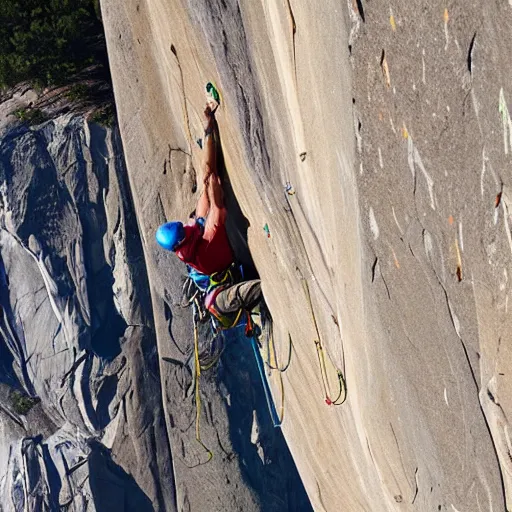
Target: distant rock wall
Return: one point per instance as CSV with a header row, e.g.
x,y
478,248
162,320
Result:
x,y
76,322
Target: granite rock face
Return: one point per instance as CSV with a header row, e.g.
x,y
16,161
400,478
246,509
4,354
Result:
x,y
366,152
368,145
78,337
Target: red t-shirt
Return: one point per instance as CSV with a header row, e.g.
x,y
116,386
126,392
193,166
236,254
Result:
x,y
206,256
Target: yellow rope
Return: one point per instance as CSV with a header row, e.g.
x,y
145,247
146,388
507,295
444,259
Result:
x,y
197,391
321,359
273,364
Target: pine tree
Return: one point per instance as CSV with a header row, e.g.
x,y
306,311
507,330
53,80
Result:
x,y
47,42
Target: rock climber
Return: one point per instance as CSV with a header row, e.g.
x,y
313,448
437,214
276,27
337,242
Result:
x,y
203,242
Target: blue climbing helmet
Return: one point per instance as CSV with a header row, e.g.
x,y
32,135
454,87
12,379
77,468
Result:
x,y
170,234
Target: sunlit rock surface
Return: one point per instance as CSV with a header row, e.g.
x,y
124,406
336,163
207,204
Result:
x,y
391,123
367,150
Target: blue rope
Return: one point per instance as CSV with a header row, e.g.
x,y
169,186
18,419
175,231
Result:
x,y
276,421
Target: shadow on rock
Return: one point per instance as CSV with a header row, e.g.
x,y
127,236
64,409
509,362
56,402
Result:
x,y
266,465
113,489
236,223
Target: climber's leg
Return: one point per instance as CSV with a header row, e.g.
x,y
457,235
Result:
x,y
245,295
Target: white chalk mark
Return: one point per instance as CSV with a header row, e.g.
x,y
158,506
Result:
x,y
482,174
355,22
373,224
505,204
507,122
392,125
507,436
447,37
396,221
381,162
476,108
454,509
456,323
427,241
446,397
361,168
423,76
461,241
410,156
414,160
358,135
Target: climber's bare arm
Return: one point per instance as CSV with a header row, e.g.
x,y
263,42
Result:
x,y
203,205
210,150
209,161
217,214
215,193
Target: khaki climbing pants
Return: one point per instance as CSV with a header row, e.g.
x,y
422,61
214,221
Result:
x,y
245,295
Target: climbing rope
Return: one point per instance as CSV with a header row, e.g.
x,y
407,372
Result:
x,y
342,395
199,315
271,347
197,376
276,419
274,365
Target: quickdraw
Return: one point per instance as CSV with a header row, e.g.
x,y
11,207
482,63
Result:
x,y
272,351
342,395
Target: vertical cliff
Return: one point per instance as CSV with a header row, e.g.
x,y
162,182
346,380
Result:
x,y
367,151
391,123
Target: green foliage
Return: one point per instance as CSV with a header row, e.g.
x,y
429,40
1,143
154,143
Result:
x,y
32,116
104,117
22,403
78,92
47,42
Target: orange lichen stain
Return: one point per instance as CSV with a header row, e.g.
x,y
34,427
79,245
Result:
x,y
385,69
446,17
355,7
450,220
405,133
392,22
397,265
381,117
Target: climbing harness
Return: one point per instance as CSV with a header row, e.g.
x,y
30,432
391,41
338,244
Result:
x,y
342,394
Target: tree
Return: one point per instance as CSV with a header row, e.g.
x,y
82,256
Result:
x,y
47,42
